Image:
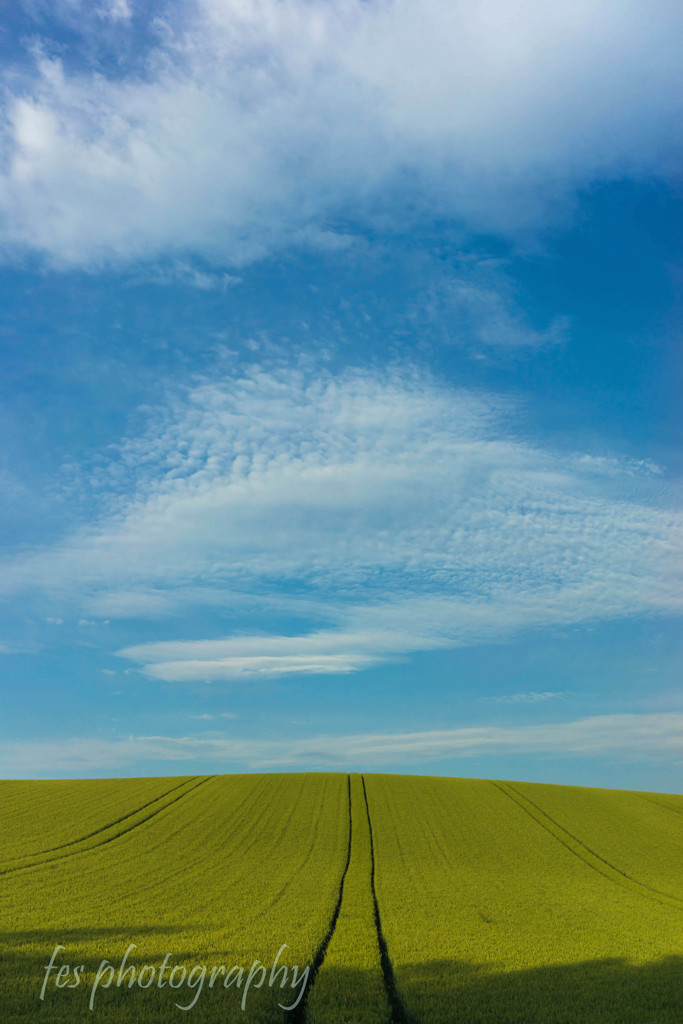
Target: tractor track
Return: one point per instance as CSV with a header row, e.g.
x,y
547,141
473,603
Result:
x,y
103,828
299,1013
635,887
399,1014
109,839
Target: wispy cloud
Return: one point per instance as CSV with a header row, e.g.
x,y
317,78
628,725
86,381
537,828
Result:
x,y
206,717
9,647
628,737
532,697
248,126
472,305
117,10
184,272
254,656
405,514
134,602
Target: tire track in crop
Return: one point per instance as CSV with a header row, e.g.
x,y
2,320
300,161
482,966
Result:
x,y
250,824
407,864
445,852
109,839
259,823
661,804
303,862
584,846
103,828
635,887
299,1014
193,865
398,1011
253,837
262,909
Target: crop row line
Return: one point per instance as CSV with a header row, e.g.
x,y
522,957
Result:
x,y
585,846
252,837
521,800
398,1011
287,884
660,803
108,839
110,824
299,1014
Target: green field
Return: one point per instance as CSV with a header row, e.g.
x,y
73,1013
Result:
x,y
355,899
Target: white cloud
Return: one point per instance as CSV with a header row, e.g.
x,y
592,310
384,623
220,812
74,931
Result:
x,y
133,603
255,665
405,514
475,307
22,648
183,272
117,10
206,717
630,737
531,697
260,124
247,656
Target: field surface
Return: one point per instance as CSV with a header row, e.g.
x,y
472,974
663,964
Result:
x,y
337,899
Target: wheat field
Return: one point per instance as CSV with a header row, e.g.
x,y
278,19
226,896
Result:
x,y
339,899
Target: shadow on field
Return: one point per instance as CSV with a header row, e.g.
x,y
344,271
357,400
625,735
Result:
x,y
25,955
610,991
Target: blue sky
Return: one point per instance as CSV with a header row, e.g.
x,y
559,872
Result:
x,y
340,355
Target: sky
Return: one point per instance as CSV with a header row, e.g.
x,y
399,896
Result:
x,y
340,360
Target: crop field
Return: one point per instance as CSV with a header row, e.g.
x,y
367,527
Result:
x,y
337,899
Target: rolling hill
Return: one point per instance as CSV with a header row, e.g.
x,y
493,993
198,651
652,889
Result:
x,y
339,899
